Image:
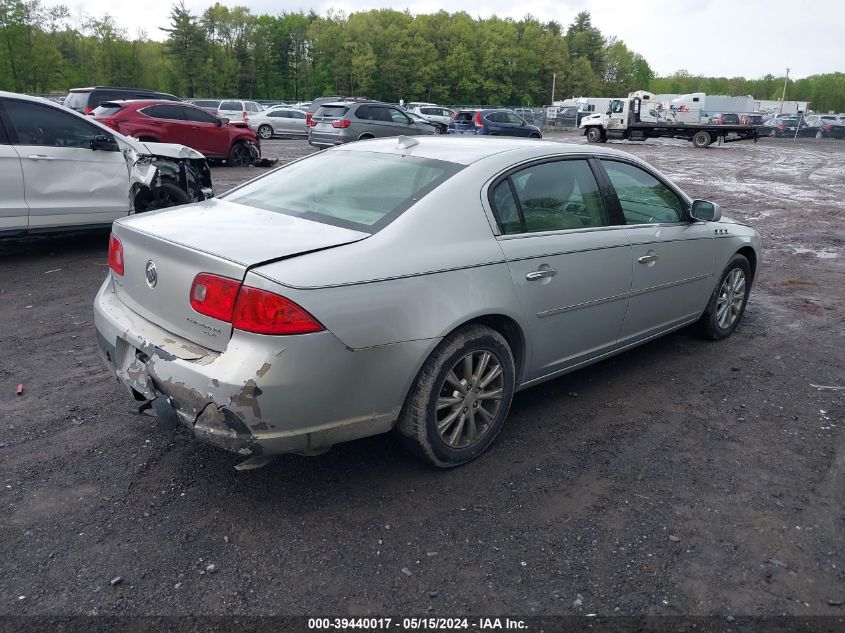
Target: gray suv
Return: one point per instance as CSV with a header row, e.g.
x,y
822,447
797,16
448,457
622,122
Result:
x,y
347,121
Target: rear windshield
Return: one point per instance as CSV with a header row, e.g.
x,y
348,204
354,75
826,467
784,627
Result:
x,y
730,117
331,111
206,103
107,109
464,117
76,100
231,105
364,191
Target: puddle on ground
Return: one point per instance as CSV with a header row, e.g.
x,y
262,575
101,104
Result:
x,y
821,253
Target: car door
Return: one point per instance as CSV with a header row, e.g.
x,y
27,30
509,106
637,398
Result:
x,y
297,122
570,266
204,133
672,255
518,125
14,212
401,123
66,183
281,121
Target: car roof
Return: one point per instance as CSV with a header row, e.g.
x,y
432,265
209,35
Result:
x,y
465,151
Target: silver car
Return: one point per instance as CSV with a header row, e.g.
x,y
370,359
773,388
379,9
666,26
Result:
x,y
412,284
346,121
279,121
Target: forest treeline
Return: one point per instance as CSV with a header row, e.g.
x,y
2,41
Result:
x,y
384,54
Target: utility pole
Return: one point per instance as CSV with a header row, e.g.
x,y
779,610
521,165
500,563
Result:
x,y
554,78
783,96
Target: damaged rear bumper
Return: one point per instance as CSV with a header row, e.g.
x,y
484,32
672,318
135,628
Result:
x,y
263,395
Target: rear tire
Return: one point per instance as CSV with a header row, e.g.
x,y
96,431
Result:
x,y
534,135
265,132
701,139
727,304
456,407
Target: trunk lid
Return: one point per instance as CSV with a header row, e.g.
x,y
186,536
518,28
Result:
x,y
217,237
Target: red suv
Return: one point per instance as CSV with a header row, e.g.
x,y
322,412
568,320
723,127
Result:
x,y
168,122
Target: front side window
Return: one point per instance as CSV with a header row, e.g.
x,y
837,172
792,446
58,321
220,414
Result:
x,y
514,118
552,196
198,115
36,124
643,198
364,191
398,117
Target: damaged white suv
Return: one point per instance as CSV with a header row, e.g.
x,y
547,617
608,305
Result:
x,y
61,170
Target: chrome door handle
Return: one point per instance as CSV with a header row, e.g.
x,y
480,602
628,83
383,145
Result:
x,y
40,157
645,259
534,275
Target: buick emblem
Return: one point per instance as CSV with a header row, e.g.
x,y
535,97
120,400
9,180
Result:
x,y
152,274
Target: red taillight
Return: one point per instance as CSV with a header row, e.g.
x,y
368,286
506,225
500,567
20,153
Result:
x,y
341,123
308,117
217,114
782,128
249,309
214,296
826,128
246,116
116,255
263,312
88,110
477,120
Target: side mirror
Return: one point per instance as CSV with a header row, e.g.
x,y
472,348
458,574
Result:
x,y
104,143
705,211
222,122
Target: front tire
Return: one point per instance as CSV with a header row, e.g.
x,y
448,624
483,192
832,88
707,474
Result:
x,y
594,135
265,132
239,155
460,398
166,195
727,304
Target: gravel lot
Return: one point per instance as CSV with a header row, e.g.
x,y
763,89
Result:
x,y
683,477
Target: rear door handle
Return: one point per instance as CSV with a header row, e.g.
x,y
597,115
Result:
x,y
645,259
534,275
40,157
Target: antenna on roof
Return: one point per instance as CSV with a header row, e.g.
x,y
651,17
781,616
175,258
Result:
x,y
406,142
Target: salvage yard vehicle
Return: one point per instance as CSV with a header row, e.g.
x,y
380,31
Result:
x,y
347,121
183,123
279,121
238,110
84,100
779,126
492,122
62,170
628,119
408,283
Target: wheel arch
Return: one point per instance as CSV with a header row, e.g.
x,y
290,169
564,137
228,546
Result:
x,y
751,255
510,329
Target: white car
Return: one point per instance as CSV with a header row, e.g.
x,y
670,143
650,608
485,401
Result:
x,y
279,120
435,113
238,110
59,169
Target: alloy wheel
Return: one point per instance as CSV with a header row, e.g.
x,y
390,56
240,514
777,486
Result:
x,y
731,298
469,398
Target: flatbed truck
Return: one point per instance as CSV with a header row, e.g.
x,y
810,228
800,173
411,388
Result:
x,y
635,119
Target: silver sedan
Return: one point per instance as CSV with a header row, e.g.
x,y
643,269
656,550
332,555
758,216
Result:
x,y
411,284
279,121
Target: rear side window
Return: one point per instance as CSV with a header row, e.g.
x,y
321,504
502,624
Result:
x,y
465,117
362,191
107,109
557,196
643,198
76,100
172,112
231,105
334,111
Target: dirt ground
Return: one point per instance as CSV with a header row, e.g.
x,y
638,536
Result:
x,y
683,477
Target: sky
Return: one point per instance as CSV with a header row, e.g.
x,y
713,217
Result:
x,y
721,38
